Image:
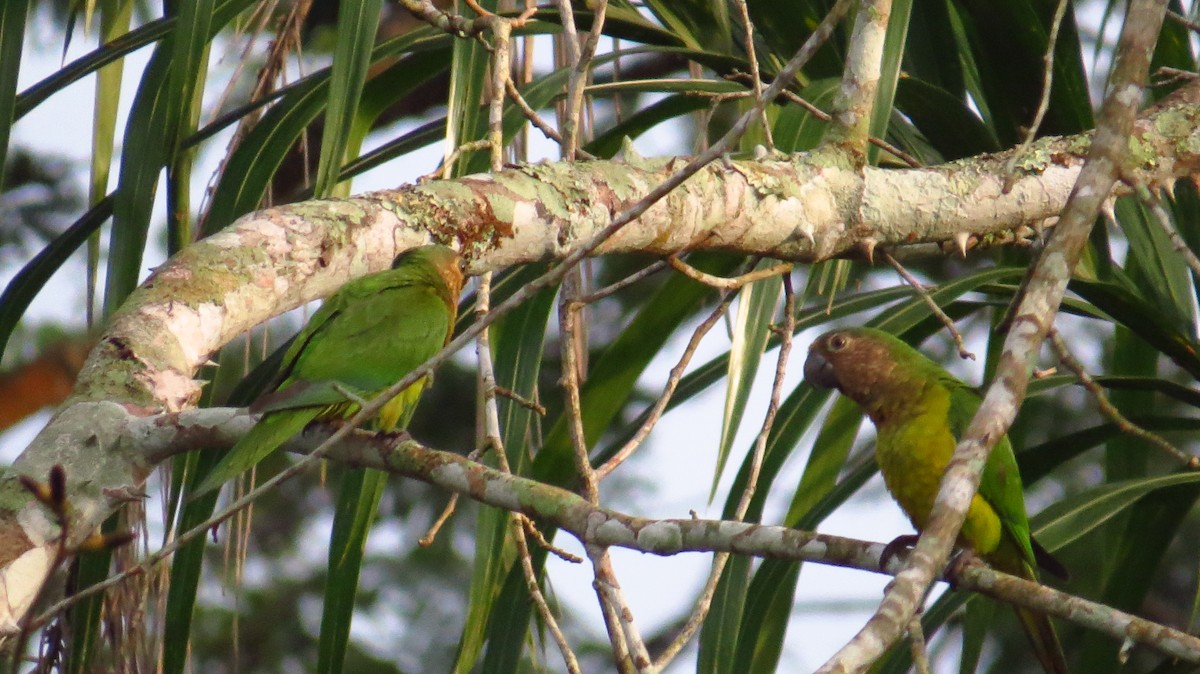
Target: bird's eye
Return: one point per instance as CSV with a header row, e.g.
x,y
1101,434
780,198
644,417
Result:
x,y
837,342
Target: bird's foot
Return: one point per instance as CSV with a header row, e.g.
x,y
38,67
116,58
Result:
x,y
959,562
898,544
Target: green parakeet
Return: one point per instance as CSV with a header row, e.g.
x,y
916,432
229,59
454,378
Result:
x,y
920,411
365,337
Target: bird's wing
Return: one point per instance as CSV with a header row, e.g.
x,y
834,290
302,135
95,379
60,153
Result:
x,y
1000,485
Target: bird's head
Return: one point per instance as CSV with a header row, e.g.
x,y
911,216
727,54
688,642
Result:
x,y
861,363
442,260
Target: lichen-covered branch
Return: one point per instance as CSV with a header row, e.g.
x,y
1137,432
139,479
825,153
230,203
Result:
x,y
156,438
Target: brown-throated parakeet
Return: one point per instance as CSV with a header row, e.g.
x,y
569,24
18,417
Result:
x,y
920,410
365,337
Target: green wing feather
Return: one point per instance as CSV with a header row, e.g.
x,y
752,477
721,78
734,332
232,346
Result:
x,y
365,337
1000,484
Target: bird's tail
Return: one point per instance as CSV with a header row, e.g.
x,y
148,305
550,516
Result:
x,y
1041,630
269,433
1037,626
1041,634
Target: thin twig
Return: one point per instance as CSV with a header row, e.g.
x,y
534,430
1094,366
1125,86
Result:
x,y
877,142
447,512
755,80
451,505
519,522
600,294
815,111
1164,221
532,530
455,24
579,58
1043,101
534,118
569,348
608,590
1109,410
443,171
673,379
501,71
211,428
760,443
726,283
1183,21
963,352
521,400
579,54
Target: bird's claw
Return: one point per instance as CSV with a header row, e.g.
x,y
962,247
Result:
x,y
958,562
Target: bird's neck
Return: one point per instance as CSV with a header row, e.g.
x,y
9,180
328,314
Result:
x,y
895,401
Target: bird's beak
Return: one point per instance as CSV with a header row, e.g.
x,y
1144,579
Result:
x,y
818,371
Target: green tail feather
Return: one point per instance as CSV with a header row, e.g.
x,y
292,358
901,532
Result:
x,y
266,436
1044,640
1038,626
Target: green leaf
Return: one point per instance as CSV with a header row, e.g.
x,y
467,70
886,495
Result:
x,y
696,23
951,126
719,634
889,73
671,108
466,110
226,11
358,502
1153,523
142,159
785,26
930,38
84,618
975,628
1156,270
765,620
751,330
1008,43
190,472
797,129
13,15
1143,319
28,282
1072,517
358,21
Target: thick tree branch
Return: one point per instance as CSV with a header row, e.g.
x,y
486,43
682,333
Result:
x,y
157,438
